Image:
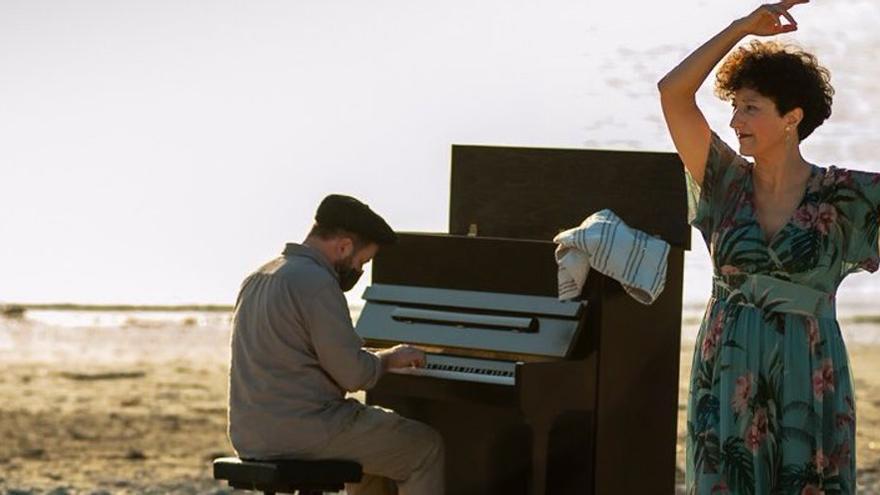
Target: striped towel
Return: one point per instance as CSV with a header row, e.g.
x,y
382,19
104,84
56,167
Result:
x,y
603,241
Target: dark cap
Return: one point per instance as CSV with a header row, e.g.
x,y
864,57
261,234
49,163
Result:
x,y
344,212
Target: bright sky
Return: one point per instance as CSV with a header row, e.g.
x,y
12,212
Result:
x,y
158,151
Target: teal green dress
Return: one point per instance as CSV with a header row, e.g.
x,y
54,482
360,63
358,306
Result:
x,y
771,407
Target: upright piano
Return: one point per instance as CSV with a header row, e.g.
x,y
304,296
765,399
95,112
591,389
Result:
x,y
534,395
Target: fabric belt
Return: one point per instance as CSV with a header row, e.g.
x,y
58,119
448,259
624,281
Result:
x,y
773,295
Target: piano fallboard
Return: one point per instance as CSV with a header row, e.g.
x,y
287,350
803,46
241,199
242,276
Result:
x,y
508,327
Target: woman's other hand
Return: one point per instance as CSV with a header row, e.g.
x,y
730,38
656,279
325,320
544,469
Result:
x,y
766,20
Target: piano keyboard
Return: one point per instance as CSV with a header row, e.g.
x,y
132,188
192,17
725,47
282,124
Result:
x,y
464,369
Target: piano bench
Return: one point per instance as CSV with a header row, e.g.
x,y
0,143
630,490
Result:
x,y
288,475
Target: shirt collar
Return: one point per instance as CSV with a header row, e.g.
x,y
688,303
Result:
x,y
294,249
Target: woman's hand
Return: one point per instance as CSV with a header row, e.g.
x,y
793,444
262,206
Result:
x,y
766,20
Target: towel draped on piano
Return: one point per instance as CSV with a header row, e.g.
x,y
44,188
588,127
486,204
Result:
x,y
770,407
606,243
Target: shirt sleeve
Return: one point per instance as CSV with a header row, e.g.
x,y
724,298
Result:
x,y
863,250
339,349
709,202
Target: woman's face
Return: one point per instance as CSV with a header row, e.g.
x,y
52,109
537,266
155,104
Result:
x,y
757,123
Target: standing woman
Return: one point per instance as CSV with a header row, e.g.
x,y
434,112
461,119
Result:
x,y
771,405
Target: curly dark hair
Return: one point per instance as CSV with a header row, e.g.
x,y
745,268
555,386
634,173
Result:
x,y
784,73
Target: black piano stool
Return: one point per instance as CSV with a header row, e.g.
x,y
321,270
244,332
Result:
x,y
288,475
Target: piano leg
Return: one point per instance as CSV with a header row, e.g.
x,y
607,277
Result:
x,y
540,452
562,422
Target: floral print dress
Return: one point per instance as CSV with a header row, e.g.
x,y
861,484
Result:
x,y
771,407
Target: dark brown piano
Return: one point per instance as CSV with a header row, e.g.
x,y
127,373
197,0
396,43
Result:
x,y
534,395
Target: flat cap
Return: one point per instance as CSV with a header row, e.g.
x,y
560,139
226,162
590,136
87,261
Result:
x,y
344,212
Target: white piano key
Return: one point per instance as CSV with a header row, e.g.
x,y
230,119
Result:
x,y
464,369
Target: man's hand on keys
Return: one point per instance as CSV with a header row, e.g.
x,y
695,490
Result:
x,y
402,356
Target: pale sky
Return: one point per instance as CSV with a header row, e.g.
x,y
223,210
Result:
x,y
158,151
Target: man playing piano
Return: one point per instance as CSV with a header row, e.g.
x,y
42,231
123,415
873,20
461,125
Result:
x,y
295,354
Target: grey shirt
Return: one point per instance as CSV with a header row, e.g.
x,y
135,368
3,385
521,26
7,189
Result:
x,y
294,355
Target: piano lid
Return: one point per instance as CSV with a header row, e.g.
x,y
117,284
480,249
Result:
x,y
534,193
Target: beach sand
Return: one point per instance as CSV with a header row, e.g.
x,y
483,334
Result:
x,y
137,409
141,408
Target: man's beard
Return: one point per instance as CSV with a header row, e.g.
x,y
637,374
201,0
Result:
x,y
348,274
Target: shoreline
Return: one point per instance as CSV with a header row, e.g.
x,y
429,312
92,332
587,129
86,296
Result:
x,y
165,308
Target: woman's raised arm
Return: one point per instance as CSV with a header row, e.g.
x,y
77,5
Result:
x,y
687,125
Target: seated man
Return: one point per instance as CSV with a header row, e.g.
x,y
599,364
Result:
x,y
295,354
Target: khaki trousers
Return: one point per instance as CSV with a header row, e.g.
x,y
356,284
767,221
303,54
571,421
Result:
x,y
393,450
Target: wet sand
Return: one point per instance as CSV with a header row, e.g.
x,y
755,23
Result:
x,y
141,408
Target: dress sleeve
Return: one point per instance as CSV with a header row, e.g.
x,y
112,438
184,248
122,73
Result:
x,y
863,252
706,203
